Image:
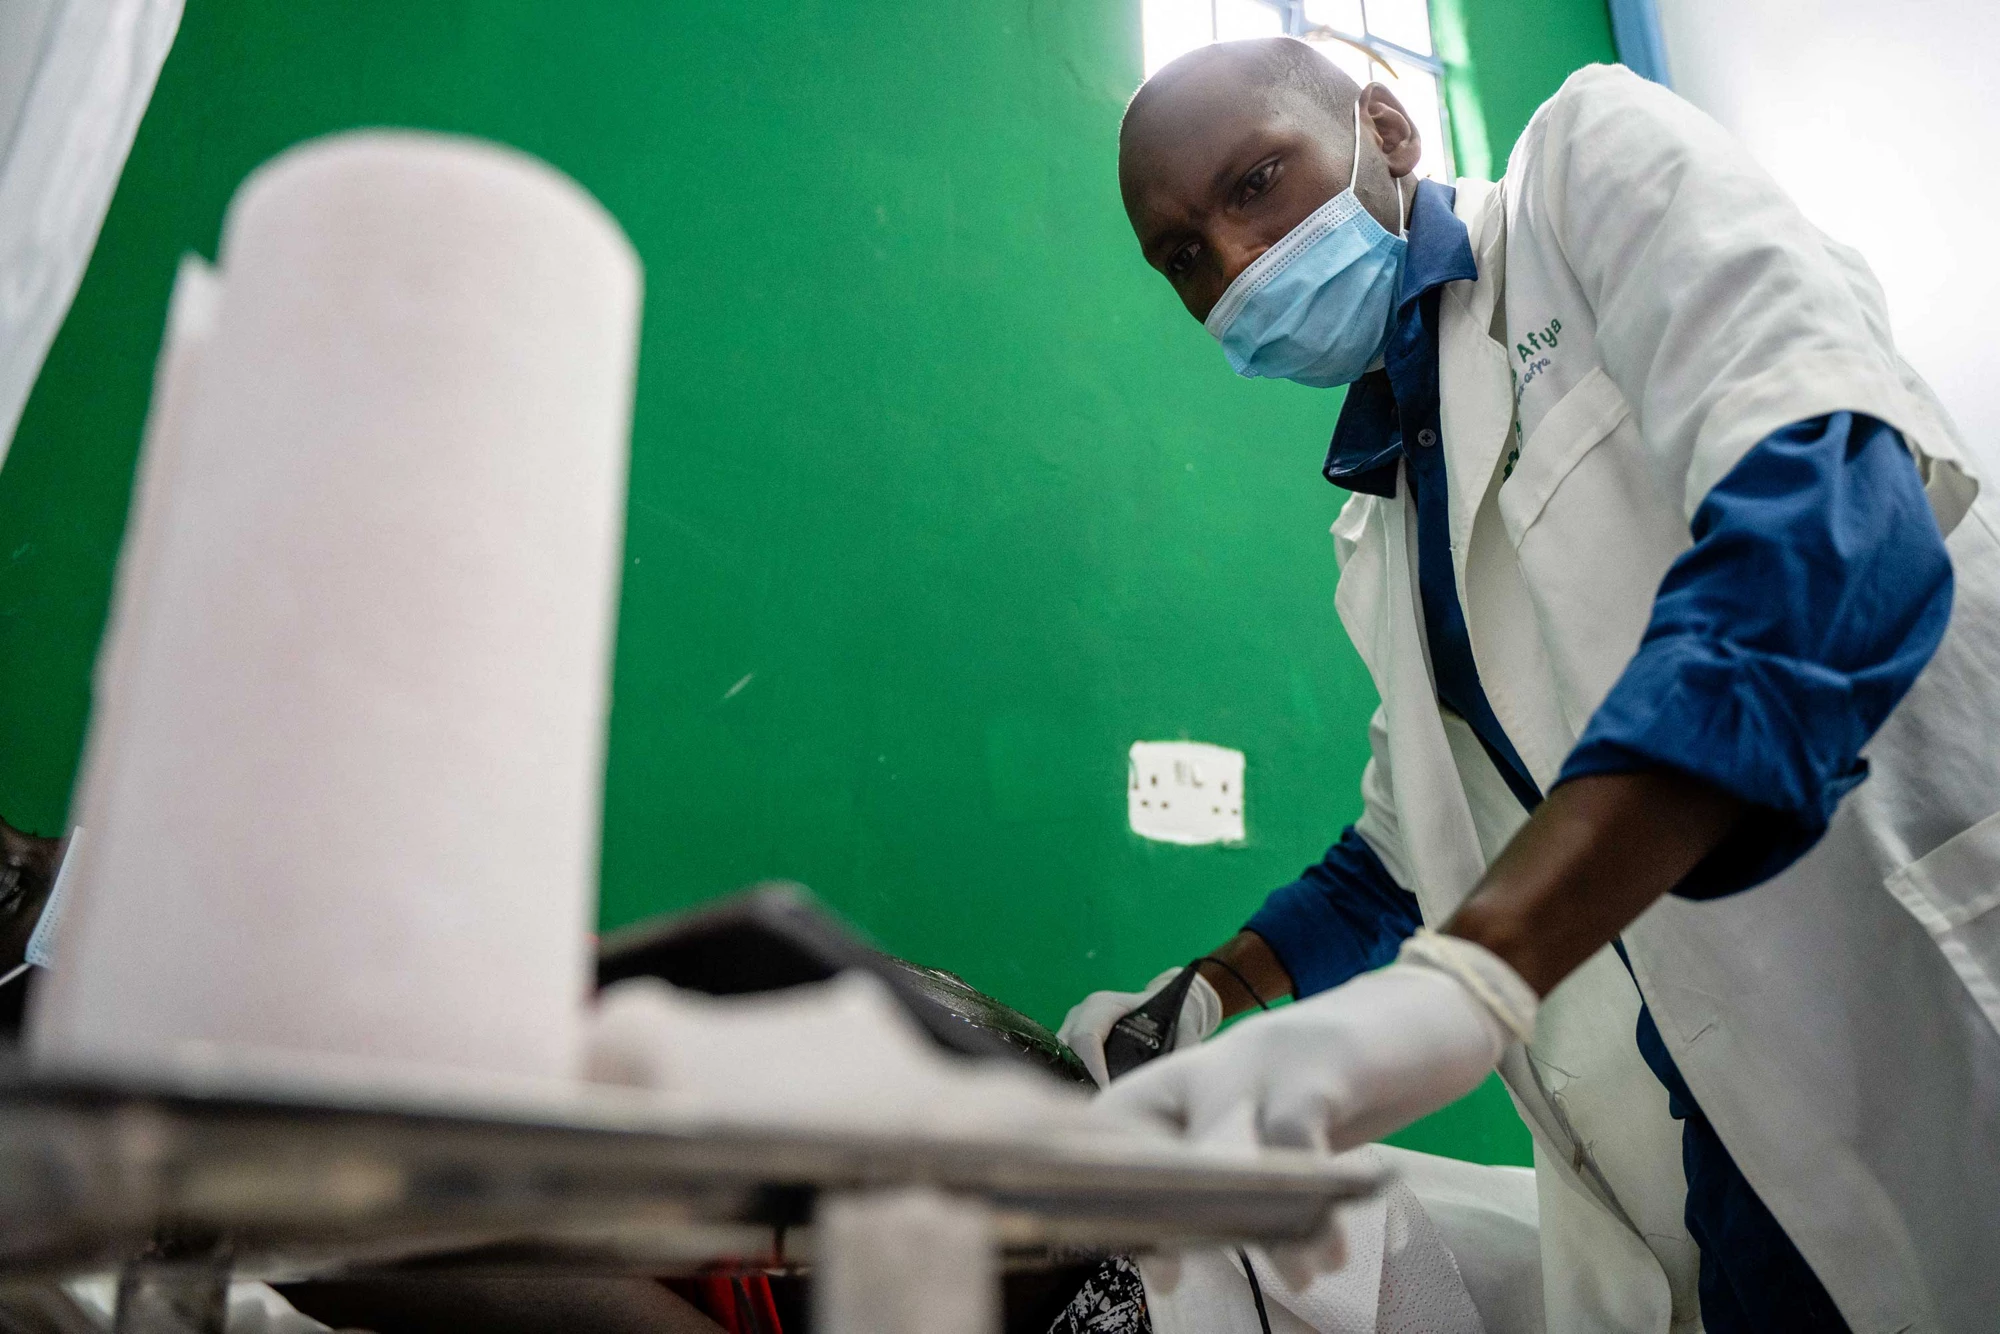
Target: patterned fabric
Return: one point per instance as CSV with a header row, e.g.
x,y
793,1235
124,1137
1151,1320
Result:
x,y
1111,1301
1422,1290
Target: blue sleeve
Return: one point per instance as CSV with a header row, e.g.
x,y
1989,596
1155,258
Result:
x,y
1344,916
1816,589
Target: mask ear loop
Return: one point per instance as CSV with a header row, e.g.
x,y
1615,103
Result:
x,y
1354,175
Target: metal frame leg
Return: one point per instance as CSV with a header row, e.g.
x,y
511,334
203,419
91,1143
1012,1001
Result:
x,y
904,1262
174,1289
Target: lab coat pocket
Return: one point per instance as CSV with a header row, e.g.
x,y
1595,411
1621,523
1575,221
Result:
x,y
1954,891
1584,416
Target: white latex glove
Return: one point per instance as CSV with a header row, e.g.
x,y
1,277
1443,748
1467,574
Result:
x,y
1349,1065
1090,1020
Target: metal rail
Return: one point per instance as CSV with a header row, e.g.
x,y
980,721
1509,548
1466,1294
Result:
x,y
180,1189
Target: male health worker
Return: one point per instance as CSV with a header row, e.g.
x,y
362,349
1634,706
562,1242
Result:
x,y
1684,610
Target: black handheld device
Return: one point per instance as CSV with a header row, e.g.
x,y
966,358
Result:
x,y
1148,1031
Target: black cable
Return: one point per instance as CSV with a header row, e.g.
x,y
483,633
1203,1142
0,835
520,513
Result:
x,y
1256,1288
1236,973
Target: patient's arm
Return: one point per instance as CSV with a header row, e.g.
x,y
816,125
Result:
x,y
1258,963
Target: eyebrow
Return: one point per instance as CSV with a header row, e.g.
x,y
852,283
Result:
x,y
1235,153
1162,246
1225,174
1218,186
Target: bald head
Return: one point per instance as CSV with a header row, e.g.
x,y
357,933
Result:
x,y
1228,148
1263,67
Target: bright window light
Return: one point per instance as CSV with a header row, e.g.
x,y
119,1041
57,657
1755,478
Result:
x,y
1407,23
1375,41
1237,19
1172,28
1345,15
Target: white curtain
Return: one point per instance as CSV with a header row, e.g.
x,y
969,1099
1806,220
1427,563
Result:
x,y
1879,118
75,77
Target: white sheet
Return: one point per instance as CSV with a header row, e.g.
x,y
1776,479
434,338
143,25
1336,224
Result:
x,y
75,78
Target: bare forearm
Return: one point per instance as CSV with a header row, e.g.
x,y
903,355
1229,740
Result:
x,y
1593,857
1258,963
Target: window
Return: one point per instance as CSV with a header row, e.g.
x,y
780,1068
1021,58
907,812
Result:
x,y
1376,41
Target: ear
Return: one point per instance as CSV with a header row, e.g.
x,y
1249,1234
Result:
x,y
1394,131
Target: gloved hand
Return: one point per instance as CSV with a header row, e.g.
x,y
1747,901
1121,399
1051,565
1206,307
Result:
x,y
1349,1065
1089,1021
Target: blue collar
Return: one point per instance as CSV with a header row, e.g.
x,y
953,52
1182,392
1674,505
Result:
x,y
1367,443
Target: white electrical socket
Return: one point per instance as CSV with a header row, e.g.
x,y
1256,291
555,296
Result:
x,y
1185,792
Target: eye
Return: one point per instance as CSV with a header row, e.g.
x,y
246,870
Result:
x,y
1182,259
1257,180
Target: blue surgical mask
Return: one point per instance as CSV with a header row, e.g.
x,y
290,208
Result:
x,y
1316,307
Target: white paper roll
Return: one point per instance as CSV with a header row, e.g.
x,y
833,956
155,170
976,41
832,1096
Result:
x,y
344,774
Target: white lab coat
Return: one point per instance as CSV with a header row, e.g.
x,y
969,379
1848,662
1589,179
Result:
x,y
1837,1024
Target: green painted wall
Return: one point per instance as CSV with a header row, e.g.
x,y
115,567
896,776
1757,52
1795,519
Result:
x,y
938,499
1505,58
